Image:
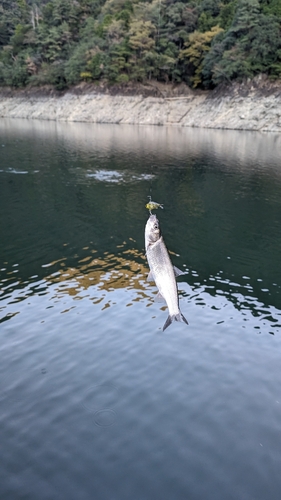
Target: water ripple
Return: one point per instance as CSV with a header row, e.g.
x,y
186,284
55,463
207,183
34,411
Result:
x,y
96,278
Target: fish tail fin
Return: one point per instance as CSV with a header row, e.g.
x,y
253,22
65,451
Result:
x,y
174,317
168,322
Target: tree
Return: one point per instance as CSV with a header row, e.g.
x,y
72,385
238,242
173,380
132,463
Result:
x,y
201,42
195,50
140,36
250,46
271,7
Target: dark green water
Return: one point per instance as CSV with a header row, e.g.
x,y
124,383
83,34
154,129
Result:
x,y
95,400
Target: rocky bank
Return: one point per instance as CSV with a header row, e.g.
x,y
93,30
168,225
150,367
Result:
x,y
254,105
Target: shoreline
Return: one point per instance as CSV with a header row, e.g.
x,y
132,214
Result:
x,y
250,106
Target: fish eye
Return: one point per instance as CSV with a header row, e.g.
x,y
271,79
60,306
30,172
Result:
x,y
155,226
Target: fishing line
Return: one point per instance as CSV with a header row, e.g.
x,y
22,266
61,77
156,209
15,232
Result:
x,y
152,205
151,177
150,186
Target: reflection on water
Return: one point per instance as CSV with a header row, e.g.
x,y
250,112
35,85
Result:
x,y
128,408
98,277
235,149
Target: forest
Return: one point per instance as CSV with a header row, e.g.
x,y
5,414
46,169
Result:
x,y
199,42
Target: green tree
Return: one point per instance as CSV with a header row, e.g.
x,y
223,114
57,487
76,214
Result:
x,y
15,75
271,7
250,46
17,39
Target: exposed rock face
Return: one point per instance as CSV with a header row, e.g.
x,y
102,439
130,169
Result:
x,y
242,108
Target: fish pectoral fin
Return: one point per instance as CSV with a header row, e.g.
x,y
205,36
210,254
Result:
x,y
178,272
159,298
150,277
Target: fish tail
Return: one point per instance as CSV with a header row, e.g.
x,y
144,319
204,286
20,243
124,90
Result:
x,y
174,317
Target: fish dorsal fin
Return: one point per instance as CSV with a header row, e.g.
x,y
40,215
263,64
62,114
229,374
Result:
x,y
150,277
178,272
159,298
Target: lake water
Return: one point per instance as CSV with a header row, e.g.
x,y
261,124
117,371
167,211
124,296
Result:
x,y
96,402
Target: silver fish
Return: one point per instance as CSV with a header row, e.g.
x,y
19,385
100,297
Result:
x,y
162,271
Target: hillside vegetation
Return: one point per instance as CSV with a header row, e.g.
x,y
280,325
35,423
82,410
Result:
x,y
199,42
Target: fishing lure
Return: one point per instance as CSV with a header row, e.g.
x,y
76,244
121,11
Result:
x,y
152,205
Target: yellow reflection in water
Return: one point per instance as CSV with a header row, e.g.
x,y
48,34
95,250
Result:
x,y
108,273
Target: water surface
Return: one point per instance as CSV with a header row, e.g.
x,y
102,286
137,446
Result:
x,y
95,400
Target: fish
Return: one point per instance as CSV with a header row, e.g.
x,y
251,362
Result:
x,y
162,270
